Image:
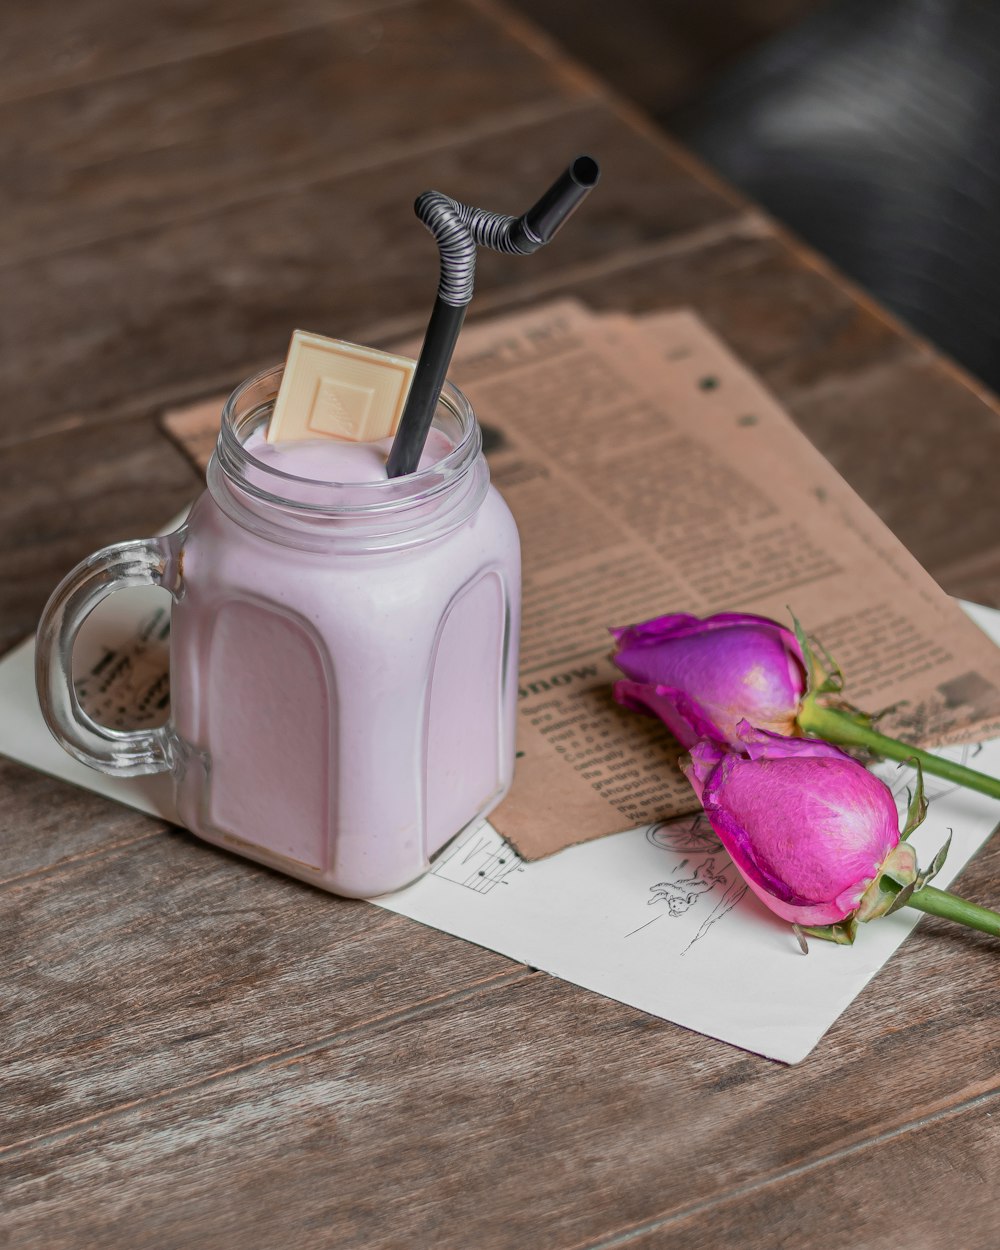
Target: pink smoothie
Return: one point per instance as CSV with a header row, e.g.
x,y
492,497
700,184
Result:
x,y
344,704
324,460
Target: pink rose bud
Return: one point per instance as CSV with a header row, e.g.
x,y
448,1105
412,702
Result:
x,y
808,827
702,677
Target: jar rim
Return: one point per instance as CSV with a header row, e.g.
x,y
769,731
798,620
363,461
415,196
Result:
x,y
253,398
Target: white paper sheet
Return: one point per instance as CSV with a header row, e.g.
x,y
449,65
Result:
x,y
656,917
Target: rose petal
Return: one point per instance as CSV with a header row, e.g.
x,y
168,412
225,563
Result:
x,y
762,744
703,759
807,826
681,715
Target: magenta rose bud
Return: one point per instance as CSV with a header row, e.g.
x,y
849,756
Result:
x,y
702,677
808,827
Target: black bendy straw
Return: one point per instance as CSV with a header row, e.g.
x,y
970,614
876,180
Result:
x,y
459,229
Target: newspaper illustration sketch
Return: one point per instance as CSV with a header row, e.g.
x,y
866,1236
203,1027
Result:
x,y
688,887
703,881
480,861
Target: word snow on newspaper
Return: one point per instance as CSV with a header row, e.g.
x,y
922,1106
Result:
x,y
649,472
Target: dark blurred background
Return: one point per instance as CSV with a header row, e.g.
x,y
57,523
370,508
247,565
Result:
x,y
868,126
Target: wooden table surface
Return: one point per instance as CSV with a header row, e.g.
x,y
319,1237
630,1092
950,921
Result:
x,y
197,1052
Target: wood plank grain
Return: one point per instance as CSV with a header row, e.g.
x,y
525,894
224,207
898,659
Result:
x,y
70,493
781,316
143,148
922,451
156,964
47,822
47,44
529,1114
662,55
975,577
932,1186
193,306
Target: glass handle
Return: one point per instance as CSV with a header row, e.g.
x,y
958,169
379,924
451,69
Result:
x,y
142,562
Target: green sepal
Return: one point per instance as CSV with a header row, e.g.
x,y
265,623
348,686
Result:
x,y
917,808
935,866
901,899
827,679
843,932
898,880
898,874
820,679
833,682
922,878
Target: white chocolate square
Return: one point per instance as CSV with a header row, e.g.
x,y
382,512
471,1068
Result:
x,y
332,389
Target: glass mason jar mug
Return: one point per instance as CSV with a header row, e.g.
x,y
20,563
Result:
x,y
343,657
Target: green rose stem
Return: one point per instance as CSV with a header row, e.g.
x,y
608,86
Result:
x,y
940,903
845,729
